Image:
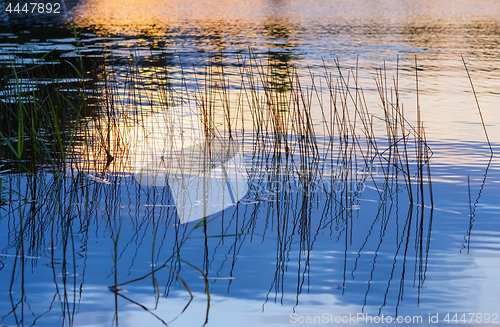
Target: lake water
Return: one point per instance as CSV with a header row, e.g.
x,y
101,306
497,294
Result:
x,y
315,235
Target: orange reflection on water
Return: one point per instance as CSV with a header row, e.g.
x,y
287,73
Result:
x,y
148,16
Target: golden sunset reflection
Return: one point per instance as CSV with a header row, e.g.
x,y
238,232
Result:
x,y
283,34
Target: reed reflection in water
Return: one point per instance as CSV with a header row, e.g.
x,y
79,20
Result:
x,y
308,189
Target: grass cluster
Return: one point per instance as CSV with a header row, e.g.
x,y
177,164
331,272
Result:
x,y
42,103
317,128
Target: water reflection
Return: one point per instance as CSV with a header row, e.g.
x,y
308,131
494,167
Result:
x,y
365,256
307,193
326,218
361,34
136,221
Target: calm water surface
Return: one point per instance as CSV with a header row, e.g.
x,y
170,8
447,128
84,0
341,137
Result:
x,y
64,241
